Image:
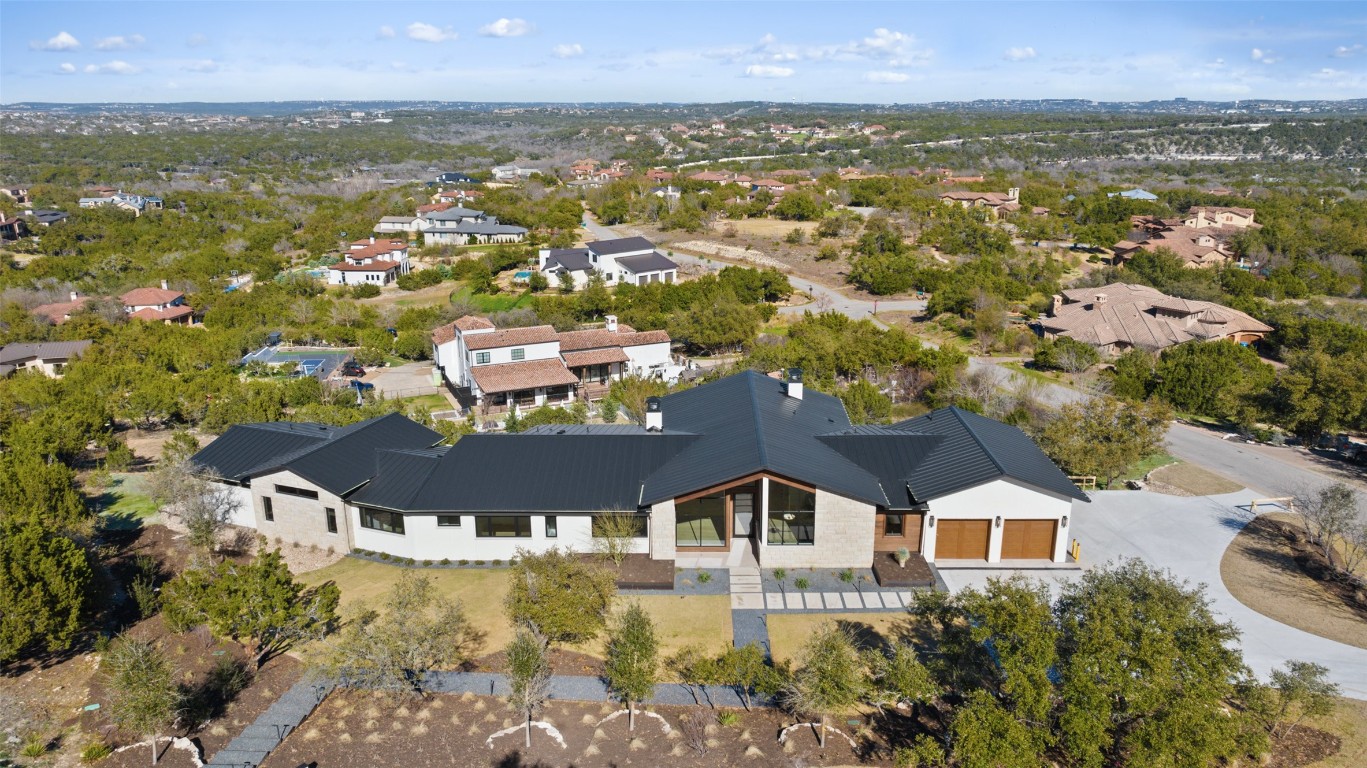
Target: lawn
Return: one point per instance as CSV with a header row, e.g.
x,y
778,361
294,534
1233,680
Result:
x,y
1146,465
680,621
788,631
1348,722
1037,375
1194,479
431,402
124,505
500,302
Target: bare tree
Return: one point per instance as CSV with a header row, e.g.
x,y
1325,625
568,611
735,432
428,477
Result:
x,y
1328,514
203,506
614,533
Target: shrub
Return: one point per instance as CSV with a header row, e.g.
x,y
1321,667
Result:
x,y
728,719
95,752
479,562
801,582
384,556
828,253
409,562
427,563
365,291
446,561
422,278
463,561
34,747
704,577
795,236
496,562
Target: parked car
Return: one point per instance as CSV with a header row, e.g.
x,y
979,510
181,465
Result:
x,y
352,369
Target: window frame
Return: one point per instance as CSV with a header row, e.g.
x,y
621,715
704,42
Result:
x,y
901,519
441,524
481,358
484,526
552,527
368,517
779,521
267,509
302,493
330,514
518,354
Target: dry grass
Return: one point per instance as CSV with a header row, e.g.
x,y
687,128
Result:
x,y
1348,722
1258,570
788,631
693,620
364,584
1194,480
769,227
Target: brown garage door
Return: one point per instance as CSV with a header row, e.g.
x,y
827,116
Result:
x,y
1028,539
962,539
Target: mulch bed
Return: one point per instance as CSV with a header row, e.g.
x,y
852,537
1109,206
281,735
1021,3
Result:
x,y
890,574
1303,746
1313,563
639,571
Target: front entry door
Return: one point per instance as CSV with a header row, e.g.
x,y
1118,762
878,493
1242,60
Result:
x,y
742,513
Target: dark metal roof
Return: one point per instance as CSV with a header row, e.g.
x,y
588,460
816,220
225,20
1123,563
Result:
x,y
43,350
976,450
650,262
887,454
530,472
571,259
747,424
337,459
620,245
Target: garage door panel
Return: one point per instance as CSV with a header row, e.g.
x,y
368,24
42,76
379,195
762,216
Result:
x,y
962,539
1028,539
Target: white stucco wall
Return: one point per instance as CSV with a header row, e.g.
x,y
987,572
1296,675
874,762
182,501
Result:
x,y
1001,498
244,514
423,539
543,351
643,358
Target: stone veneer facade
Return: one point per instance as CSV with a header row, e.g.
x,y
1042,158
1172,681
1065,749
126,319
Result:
x,y
843,536
299,520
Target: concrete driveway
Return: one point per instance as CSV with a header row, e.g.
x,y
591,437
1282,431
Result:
x,y
1188,536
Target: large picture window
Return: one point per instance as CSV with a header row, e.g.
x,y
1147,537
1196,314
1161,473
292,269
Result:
x,y
503,526
701,522
792,515
378,520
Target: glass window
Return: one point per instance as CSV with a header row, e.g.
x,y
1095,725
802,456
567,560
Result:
x,y
448,521
519,354
267,509
481,358
503,526
893,524
701,522
792,515
377,520
332,519
286,490
552,530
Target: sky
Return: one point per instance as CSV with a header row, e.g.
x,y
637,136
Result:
x,y
662,51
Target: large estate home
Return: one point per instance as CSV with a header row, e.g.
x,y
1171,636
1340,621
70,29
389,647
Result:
x,y
1119,317
494,371
449,224
158,305
747,465
1200,239
629,260
138,204
376,262
996,202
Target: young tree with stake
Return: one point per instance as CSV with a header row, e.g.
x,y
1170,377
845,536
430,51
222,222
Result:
x,y
529,676
632,659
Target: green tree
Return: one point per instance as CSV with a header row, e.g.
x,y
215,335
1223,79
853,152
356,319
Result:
x,y
1132,375
717,323
864,403
1207,378
632,663
1068,354
744,668
1104,436
1299,690
529,676
829,679
144,697
45,582
564,597
983,734
538,282
898,677
800,206
257,603
420,631
566,282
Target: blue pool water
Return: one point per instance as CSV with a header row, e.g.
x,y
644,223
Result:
x,y
523,275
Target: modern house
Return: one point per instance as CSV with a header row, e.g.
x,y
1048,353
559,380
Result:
x,y
158,304
492,372
453,177
46,218
1135,194
1119,317
747,465
630,260
48,357
138,204
456,225
511,173
12,228
373,262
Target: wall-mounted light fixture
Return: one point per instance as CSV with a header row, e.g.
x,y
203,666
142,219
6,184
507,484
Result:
x,y
999,521
931,522
1065,522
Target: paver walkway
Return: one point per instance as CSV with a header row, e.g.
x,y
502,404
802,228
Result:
x,y
270,728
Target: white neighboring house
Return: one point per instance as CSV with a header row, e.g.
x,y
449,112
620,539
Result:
x,y
135,203
630,260
494,372
376,262
510,173
461,226
391,224
747,465
47,357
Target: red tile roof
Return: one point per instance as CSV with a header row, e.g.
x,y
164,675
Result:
x,y
170,313
595,357
57,312
149,297
512,337
512,377
473,323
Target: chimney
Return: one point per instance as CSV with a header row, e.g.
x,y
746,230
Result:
x,y
1201,218
164,286
372,239
1101,298
74,295
611,323
655,418
794,383
1058,303
1013,194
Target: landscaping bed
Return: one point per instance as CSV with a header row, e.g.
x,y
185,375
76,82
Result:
x,y
639,571
820,580
888,573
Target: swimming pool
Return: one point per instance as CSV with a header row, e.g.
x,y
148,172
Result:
x,y
522,276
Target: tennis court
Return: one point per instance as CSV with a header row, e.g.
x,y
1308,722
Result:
x,y
308,361
310,367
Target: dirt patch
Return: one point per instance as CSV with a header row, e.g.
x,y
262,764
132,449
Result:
x,y
1183,479
639,571
1303,746
353,728
890,574
1262,571
1349,722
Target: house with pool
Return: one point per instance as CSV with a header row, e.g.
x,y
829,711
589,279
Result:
x,y
746,470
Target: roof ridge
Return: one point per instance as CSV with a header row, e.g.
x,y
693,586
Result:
x,y
763,450
971,433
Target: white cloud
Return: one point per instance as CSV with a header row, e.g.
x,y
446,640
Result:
x,y
120,42
197,40
765,70
67,68
506,28
898,49
386,32
428,33
1019,54
62,41
202,65
567,50
115,67
886,77
1265,56
1345,51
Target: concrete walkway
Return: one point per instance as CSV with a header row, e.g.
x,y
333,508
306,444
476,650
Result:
x,y
1188,536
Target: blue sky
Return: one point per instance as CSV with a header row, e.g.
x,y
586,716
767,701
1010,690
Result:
x,y
878,52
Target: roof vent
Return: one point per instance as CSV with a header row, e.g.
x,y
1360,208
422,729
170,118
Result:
x,y
611,323
1101,298
794,383
655,418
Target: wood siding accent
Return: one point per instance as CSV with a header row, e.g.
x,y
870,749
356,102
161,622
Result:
x,y
911,533
962,539
1029,539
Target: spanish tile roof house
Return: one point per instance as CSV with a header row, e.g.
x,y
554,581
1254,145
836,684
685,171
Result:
x,y
158,305
745,467
1121,316
59,312
377,262
996,202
